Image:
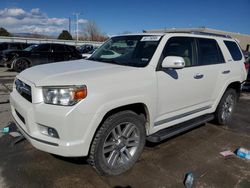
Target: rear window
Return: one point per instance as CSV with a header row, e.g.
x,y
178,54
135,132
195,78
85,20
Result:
x,y
234,50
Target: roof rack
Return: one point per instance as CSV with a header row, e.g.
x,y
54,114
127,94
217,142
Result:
x,y
210,34
201,33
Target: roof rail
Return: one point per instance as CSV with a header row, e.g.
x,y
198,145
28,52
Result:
x,y
210,34
201,33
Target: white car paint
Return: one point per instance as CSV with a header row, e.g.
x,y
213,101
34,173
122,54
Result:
x,y
111,86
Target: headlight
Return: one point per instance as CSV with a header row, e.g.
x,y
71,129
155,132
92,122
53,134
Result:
x,y
64,95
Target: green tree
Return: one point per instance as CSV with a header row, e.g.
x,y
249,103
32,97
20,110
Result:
x,y
65,35
4,32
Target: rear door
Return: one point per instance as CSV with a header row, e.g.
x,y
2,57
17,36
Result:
x,y
41,54
212,59
58,52
188,91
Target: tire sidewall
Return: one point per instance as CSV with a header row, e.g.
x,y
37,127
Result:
x,y
108,126
16,66
219,110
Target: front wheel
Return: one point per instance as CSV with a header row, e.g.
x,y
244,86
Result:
x,y
20,65
225,109
118,143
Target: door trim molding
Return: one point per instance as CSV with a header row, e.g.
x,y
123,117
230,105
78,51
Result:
x,y
181,115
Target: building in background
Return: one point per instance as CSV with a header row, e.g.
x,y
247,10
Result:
x,y
243,39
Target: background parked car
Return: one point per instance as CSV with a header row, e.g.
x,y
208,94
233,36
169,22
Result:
x,y
9,55
86,50
42,54
10,46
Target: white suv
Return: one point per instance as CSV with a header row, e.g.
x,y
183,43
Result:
x,y
133,88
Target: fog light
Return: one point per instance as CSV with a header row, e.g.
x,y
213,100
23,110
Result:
x,y
53,133
48,131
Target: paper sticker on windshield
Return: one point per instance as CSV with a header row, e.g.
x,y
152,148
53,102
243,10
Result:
x,y
151,38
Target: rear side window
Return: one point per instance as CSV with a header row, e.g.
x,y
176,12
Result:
x,y
70,48
58,48
15,46
209,52
3,46
234,50
43,48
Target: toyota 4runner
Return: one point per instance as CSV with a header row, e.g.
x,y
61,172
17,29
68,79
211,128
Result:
x,y
133,88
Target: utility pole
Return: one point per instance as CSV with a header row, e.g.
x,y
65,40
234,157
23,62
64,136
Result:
x,y
77,14
77,26
69,25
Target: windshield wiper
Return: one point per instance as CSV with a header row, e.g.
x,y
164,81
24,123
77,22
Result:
x,y
112,61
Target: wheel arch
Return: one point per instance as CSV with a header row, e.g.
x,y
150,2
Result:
x,y
236,85
25,58
139,108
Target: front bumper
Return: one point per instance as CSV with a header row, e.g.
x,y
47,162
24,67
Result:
x,y
72,125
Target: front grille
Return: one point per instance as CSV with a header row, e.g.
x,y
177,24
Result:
x,y
24,90
20,116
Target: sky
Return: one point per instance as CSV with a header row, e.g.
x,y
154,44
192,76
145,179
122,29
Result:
x,y
116,16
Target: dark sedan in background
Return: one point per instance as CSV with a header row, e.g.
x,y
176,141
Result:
x,y
13,45
9,46
9,55
41,54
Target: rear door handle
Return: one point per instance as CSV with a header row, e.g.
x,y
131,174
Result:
x,y
198,76
226,72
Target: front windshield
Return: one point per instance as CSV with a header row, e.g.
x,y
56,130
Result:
x,y
30,47
131,50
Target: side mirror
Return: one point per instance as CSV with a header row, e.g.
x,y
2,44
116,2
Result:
x,y
174,62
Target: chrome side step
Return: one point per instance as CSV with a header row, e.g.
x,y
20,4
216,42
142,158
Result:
x,y
179,128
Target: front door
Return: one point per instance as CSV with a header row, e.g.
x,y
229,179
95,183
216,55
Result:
x,y
186,91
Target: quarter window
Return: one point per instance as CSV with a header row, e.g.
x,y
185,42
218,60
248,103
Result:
x,y
209,52
234,50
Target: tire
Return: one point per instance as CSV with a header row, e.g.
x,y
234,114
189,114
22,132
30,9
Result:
x,y
225,109
20,65
118,143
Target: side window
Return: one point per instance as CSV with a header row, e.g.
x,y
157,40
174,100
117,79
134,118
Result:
x,y
58,48
43,48
209,52
14,46
234,50
182,47
3,46
70,49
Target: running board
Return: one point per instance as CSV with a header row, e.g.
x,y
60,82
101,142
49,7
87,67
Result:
x,y
179,128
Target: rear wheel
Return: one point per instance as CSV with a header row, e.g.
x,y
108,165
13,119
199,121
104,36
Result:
x,y
118,143
225,109
20,65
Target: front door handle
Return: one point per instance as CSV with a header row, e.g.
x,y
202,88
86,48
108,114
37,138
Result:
x,y
226,72
198,76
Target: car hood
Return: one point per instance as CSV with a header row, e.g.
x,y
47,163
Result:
x,y
76,72
10,51
19,52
